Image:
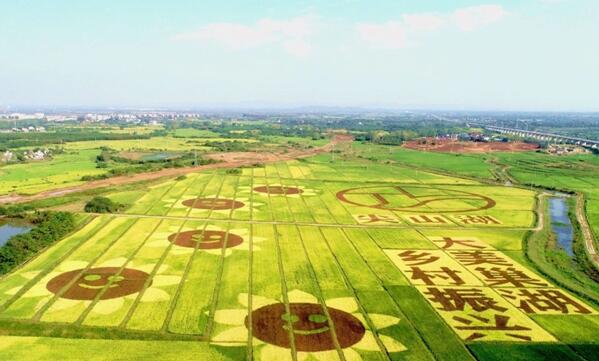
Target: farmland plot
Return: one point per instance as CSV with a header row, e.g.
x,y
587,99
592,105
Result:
x,y
307,260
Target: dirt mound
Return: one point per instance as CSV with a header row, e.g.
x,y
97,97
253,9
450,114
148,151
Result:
x,y
454,146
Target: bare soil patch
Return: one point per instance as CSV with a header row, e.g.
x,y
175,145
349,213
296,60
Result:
x,y
453,146
228,160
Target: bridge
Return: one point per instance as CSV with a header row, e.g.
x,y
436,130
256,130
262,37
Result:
x,y
544,136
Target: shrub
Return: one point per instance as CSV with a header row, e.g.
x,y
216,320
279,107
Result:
x,y
233,171
102,205
49,228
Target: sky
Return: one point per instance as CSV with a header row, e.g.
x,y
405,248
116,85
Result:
x,y
537,55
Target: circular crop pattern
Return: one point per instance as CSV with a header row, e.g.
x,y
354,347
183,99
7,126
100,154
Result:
x,y
206,239
86,285
216,204
420,199
279,190
309,324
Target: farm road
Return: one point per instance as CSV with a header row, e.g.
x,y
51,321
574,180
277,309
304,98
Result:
x,y
228,160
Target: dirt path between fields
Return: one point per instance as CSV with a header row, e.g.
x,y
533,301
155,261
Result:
x,y
227,160
586,230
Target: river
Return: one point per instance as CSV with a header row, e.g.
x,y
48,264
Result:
x,y
9,229
560,223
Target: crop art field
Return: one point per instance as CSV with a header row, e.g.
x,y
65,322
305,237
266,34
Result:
x,y
305,260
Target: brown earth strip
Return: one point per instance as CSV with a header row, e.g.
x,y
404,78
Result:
x,y
453,146
229,160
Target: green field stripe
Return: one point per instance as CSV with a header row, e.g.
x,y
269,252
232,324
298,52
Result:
x,y
38,315
175,298
352,264
89,308
312,271
299,272
284,288
175,301
320,295
141,293
513,351
327,189
281,254
349,286
334,225
161,197
440,339
157,266
102,222
284,291
305,210
387,182
250,346
219,275
380,302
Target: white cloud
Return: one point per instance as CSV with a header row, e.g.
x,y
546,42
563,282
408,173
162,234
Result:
x,y
297,47
291,35
400,34
423,22
474,17
390,35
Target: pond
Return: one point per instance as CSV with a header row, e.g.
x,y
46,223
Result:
x,y
9,229
560,223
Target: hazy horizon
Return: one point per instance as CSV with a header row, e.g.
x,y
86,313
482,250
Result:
x,y
533,55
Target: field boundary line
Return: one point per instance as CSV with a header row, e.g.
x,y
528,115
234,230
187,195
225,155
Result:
x,y
345,279
320,296
382,182
586,230
351,242
313,276
39,314
131,311
250,346
284,288
162,196
348,225
49,269
90,307
179,290
221,268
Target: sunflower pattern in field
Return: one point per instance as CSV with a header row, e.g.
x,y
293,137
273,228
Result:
x,y
208,239
315,332
210,204
280,190
73,284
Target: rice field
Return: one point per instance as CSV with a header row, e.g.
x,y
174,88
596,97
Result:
x,y
301,260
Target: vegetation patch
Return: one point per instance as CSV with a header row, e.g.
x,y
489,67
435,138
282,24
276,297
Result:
x,y
49,228
101,204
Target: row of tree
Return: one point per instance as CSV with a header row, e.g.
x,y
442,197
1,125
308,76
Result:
x,y
49,228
